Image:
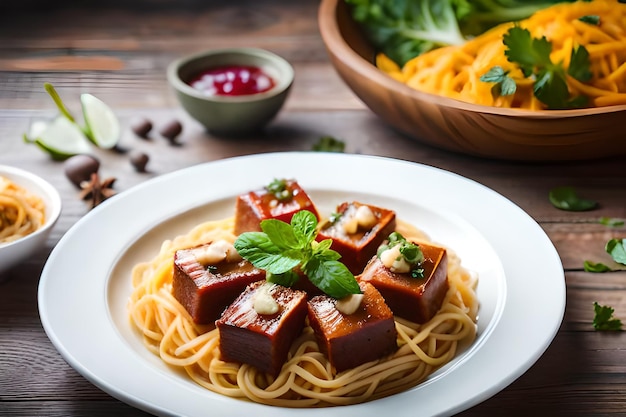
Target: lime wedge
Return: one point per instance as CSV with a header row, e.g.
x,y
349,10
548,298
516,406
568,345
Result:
x,y
61,138
102,125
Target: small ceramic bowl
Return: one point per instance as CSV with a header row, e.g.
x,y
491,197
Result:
x,y
231,114
12,253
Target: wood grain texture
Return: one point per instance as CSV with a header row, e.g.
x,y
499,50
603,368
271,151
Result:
x,y
582,373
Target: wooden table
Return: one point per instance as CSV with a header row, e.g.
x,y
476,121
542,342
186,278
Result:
x,y
119,53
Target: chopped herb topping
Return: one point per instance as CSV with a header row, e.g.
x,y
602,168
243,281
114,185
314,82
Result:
x,y
280,190
411,253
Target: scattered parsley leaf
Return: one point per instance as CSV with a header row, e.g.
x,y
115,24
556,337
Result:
x,y
608,221
533,57
566,198
604,320
281,247
329,144
590,19
504,85
617,249
590,266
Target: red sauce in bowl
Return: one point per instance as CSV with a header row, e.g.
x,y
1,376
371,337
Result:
x,y
232,80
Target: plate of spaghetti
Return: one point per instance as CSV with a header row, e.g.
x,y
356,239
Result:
x,y
546,87
153,350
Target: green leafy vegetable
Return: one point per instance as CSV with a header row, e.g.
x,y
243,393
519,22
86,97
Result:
x,y
608,221
599,267
404,29
329,144
590,19
566,198
281,248
617,249
504,85
604,320
533,57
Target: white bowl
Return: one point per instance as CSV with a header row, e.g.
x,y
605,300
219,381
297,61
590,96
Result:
x,y
12,253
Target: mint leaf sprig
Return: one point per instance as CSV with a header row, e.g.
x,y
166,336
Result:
x,y
532,55
280,248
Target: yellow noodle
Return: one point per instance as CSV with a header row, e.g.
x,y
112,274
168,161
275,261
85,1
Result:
x,y
561,25
21,212
307,379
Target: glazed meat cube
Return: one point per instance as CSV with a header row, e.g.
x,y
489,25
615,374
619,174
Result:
x,y
357,230
415,299
209,277
279,200
259,327
349,340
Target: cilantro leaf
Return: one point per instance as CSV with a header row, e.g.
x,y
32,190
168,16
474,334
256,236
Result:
x,y
532,55
580,65
566,198
592,19
528,52
604,320
610,222
504,85
329,144
590,266
280,248
617,249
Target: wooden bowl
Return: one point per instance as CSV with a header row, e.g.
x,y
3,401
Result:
x,y
453,125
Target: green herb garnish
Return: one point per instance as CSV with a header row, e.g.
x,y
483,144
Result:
x,y
411,252
280,248
610,222
604,320
280,190
591,19
599,267
566,198
533,57
329,144
617,249
504,85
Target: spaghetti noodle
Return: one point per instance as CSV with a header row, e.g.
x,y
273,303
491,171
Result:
x,y
455,71
21,212
307,379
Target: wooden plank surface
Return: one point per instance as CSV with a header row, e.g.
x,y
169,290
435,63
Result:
x,y
119,52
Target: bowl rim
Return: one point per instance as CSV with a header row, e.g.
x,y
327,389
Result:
x,y
47,191
282,84
336,45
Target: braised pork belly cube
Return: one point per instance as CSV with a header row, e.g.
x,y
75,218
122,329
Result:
x,y
413,298
280,200
207,278
349,340
357,230
259,327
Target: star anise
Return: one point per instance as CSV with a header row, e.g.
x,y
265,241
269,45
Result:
x,y
96,191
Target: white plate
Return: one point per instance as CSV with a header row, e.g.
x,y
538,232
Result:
x,y
86,281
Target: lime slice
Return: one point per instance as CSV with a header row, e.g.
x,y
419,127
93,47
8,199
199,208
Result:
x,y
102,126
61,138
